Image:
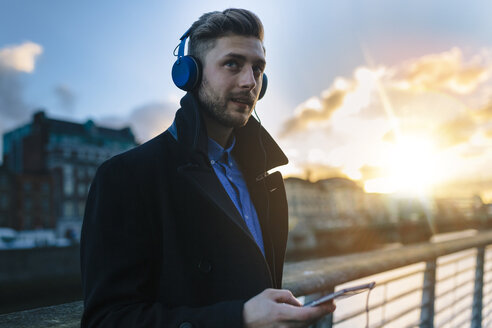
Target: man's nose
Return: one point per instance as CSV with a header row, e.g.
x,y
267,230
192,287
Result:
x,y
247,79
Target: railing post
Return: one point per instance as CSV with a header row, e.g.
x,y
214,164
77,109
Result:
x,y
428,295
478,289
326,321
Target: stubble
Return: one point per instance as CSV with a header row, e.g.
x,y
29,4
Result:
x,y
215,107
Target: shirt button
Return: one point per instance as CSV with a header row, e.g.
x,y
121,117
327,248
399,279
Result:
x,y
212,162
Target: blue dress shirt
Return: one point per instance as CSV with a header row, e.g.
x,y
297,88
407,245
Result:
x,y
232,180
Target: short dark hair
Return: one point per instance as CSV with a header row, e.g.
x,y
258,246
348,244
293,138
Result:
x,y
216,24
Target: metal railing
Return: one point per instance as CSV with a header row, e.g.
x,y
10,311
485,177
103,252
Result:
x,y
445,284
425,285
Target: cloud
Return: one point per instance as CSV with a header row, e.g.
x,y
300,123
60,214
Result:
x,y
439,100
389,136
65,96
314,110
474,151
447,71
371,172
20,58
146,121
416,95
384,92
15,60
485,112
348,96
455,132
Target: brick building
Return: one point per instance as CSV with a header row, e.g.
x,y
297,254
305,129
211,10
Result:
x,y
52,163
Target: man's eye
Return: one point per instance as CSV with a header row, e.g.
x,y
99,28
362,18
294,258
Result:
x,y
231,64
258,70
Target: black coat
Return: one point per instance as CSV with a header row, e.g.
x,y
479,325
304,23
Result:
x,y
164,246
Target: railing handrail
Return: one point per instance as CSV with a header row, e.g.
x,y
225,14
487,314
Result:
x,y
313,276
302,278
57,316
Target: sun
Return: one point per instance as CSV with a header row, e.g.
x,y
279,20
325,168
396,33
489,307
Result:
x,y
410,165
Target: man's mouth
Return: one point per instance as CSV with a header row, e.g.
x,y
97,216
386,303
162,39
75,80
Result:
x,y
246,101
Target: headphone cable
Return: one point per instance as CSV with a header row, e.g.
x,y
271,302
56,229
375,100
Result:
x,y
367,307
264,175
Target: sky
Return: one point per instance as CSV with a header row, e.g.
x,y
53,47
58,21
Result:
x,y
396,95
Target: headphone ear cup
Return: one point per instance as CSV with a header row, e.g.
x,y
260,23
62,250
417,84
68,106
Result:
x,y
264,86
186,73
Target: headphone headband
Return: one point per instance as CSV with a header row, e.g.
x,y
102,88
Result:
x,y
181,48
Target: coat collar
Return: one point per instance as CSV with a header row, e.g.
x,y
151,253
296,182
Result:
x,y
253,142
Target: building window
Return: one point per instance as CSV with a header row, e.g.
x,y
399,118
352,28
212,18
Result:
x,y
45,204
68,187
3,181
27,186
67,170
68,180
27,222
68,209
27,203
4,201
81,189
45,187
80,172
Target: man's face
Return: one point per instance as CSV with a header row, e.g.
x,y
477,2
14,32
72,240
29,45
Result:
x,y
232,77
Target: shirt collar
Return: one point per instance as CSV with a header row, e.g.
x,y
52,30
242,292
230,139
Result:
x,y
252,141
217,153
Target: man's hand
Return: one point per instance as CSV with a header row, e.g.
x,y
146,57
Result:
x,y
279,308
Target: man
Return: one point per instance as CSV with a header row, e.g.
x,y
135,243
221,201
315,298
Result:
x,y
187,230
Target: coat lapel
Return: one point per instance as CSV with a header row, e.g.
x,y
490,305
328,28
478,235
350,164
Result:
x,y
206,183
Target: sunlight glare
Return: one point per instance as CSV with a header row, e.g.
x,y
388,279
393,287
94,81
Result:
x,y
411,168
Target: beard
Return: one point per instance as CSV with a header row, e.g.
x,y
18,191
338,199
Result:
x,y
215,105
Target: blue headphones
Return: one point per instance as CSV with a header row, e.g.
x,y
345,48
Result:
x,y
187,70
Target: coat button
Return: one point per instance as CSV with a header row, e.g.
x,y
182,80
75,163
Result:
x,y
204,266
185,325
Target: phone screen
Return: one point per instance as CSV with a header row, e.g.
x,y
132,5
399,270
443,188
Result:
x,y
342,293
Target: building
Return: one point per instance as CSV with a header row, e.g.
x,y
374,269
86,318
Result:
x,y
33,202
6,197
326,205
53,163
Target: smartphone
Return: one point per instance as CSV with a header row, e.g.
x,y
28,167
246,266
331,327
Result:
x,y
342,293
